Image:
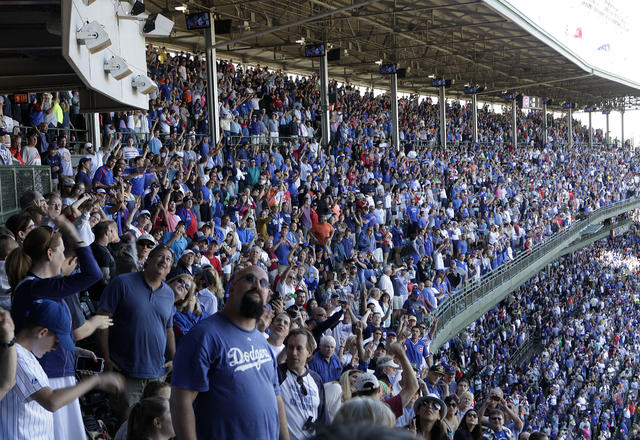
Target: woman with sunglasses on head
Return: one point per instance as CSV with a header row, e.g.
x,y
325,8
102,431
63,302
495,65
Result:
x,y
429,411
469,428
188,311
34,269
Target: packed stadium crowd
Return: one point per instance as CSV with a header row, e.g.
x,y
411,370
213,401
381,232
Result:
x,y
280,287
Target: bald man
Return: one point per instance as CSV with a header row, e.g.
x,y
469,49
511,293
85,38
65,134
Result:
x,y
224,367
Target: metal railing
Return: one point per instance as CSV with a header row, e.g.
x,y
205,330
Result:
x,y
81,136
472,292
16,180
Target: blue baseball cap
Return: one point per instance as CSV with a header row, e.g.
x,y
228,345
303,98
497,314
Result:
x,y
55,317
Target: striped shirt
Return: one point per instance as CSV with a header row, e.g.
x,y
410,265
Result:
x,y
20,416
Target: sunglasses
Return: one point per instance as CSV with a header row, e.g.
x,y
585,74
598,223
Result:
x,y
454,404
474,415
251,279
303,389
431,403
184,284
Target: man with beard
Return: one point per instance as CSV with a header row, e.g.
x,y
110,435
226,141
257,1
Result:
x,y
224,382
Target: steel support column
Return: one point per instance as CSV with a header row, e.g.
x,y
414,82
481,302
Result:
x,y
443,118
545,139
514,123
622,125
590,132
474,117
212,83
570,127
324,99
395,133
92,121
606,135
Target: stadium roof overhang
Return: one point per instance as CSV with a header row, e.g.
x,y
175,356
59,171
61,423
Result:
x,y
483,42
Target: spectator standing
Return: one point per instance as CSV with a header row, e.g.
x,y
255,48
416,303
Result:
x,y
302,389
325,362
26,411
140,304
224,367
496,429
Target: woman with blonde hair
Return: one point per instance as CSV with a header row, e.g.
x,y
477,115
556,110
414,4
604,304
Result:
x,y
348,383
188,311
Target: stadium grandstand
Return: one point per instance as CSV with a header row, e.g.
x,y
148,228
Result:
x,y
319,219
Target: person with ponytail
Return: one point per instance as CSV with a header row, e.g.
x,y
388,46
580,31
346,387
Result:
x,y
34,272
150,419
34,269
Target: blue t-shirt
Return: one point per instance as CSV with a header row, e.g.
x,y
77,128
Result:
x,y
235,375
328,371
415,352
141,317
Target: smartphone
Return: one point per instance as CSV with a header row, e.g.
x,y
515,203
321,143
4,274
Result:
x,y
85,364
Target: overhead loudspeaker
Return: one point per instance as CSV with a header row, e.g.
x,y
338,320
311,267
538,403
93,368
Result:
x,y
402,73
223,27
93,36
158,25
334,54
117,67
143,84
137,8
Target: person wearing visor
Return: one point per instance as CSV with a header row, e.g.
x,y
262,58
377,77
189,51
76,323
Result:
x,y
429,411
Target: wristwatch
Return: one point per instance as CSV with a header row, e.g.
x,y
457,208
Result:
x,y
8,344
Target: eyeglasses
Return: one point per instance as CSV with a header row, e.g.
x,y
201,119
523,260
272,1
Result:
x,y
431,403
474,415
148,244
184,284
454,404
251,279
303,389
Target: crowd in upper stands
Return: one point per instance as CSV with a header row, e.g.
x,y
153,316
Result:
x,y
268,265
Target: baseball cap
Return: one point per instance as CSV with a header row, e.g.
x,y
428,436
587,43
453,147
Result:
x,y
3,132
101,191
438,369
386,361
432,397
367,382
88,145
55,317
146,237
144,211
449,369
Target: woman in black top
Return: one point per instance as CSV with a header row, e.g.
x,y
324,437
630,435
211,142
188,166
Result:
x,y
469,428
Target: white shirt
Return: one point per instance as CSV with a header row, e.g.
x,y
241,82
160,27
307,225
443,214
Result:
x,y
299,406
20,416
31,156
67,167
